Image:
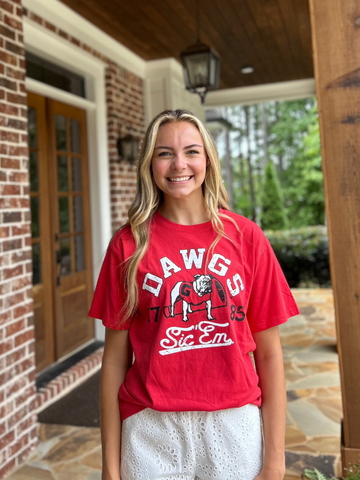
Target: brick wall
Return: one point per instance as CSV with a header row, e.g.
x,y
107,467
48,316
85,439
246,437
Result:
x,y
17,358
124,96
125,109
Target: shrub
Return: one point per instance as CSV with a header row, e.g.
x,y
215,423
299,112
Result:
x,y
303,254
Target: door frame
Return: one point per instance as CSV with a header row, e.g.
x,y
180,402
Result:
x,y
50,47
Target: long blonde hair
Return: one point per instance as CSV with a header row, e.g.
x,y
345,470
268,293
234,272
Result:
x,y
149,197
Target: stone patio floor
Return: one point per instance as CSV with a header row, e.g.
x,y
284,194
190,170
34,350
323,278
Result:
x,y
313,416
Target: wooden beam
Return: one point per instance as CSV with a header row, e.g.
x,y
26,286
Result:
x,y
336,45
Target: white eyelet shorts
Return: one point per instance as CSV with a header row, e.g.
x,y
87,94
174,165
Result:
x,y
220,445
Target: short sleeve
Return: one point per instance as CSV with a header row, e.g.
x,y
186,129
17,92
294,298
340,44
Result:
x,y
271,302
110,296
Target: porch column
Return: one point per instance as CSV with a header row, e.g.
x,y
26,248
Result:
x,y
336,44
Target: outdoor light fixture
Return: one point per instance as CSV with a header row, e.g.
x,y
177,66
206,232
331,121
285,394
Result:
x,y
128,147
201,65
247,69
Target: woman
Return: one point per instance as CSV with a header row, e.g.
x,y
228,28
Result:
x,y
190,289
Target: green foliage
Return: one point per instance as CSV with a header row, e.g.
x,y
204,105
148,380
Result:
x,y
293,146
272,205
314,475
303,254
353,473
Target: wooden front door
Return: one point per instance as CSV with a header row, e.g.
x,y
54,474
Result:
x,y
61,241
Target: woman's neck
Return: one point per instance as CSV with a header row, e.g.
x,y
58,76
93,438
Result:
x,y
185,213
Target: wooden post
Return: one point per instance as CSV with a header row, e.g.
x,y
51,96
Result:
x,y
336,45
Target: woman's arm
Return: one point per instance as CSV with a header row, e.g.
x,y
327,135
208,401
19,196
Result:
x,y
116,362
270,368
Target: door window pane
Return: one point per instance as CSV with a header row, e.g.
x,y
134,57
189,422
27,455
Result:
x,y
65,257
78,214
62,172
34,175
36,263
35,224
32,127
64,219
60,127
75,135
76,174
79,253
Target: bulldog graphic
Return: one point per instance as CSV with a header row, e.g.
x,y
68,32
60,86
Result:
x,y
195,293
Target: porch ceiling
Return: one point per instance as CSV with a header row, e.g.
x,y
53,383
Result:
x,y
273,36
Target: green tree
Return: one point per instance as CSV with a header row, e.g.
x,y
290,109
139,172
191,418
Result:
x,y
273,216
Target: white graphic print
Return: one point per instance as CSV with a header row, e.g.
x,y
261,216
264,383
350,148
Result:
x,y
192,259
202,286
168,265
208,336
149,288
235,291
223,268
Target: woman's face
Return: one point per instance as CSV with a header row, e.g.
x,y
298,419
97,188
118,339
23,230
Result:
x,y
179,161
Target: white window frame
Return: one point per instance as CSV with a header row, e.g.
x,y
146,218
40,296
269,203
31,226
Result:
x,y
49,46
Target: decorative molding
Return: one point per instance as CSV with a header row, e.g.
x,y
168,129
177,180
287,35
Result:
x,y
68,20
262,93
52,47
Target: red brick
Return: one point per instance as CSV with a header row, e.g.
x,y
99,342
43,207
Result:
x,y
26,191
7,58
23,230
10,301
36,18
18,445
15,73
23,310
15,356
3,176
21,256
26,424
7,32
6,6
19,177
21,282
9,136
7,467
10,190
50,26
24,337
14,98
6,346
16,417
12,272
4,232
16,151
12,47
9,217
15,386
6,83
12,163
12,244
17,124
13,23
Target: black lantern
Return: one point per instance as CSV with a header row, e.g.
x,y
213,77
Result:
x,y
201,69
128,147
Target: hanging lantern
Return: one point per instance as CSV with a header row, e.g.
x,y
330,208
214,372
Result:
x,y
201,66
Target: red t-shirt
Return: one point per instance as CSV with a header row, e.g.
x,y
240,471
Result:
x,y
197,310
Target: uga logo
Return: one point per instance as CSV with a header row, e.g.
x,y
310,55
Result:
x,y
204,293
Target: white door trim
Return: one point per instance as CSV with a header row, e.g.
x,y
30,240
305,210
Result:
x,y
63,17
47,45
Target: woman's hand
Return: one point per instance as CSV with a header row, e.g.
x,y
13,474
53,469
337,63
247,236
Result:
x,y
268,473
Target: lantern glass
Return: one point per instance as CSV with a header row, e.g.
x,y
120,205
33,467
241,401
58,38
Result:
x,y
197,67
127,146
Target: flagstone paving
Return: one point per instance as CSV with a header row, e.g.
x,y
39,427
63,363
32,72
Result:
x,y
313,416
